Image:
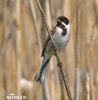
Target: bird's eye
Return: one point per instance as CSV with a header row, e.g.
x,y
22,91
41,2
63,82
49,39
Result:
x,y
63,26
58,23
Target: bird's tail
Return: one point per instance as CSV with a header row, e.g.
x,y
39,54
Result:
x,y
40,76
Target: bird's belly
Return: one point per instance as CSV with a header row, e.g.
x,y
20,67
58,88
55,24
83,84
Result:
x,y
60,43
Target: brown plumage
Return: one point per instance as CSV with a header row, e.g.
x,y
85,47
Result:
x,y
47,41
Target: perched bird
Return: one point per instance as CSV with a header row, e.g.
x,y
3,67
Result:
x,y
61,34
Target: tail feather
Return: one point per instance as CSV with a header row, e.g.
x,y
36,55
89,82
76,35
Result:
x,y
40,76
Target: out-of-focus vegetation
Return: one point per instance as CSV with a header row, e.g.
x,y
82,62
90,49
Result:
x,y
22,35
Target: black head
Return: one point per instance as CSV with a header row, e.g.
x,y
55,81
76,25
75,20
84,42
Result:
x,y
62,23
63,19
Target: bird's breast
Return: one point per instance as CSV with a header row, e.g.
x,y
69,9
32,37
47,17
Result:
x,y
60,40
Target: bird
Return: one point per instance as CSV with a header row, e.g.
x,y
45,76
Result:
x,y
61,34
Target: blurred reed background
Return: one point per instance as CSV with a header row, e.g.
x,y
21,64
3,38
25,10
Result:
x,y
22,35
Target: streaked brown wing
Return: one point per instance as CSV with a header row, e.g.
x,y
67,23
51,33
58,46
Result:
x,y
46,42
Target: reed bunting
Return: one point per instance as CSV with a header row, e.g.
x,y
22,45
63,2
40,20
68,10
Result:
x,y
61,34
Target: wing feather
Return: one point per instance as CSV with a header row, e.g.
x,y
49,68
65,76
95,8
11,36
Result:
x,y
47,41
